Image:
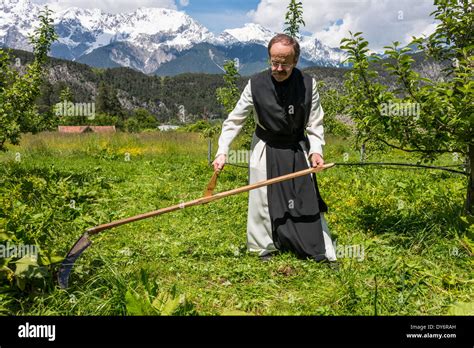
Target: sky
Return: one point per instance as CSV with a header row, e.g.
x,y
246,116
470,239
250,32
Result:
x,y
381,21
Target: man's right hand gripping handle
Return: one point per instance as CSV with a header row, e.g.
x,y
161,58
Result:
x,y
219,162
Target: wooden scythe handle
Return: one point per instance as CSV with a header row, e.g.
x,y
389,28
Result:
x,y
212,184
205,200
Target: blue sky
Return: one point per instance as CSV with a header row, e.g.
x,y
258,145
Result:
x,y
217,15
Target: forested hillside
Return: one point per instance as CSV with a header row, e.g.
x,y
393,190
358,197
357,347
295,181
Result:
x,y
120,92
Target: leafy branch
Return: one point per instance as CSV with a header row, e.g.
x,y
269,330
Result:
x,y
294,18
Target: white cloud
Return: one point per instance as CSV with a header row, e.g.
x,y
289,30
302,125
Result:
x,y
225,20
184,3
381,21
109,6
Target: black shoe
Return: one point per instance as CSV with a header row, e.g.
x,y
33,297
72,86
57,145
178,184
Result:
x,y
334,265
266,257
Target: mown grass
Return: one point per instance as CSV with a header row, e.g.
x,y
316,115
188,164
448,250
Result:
x,y
407,222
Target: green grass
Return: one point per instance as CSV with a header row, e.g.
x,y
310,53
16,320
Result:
x,y
416,246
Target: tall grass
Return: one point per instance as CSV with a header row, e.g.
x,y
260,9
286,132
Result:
x,y
416,246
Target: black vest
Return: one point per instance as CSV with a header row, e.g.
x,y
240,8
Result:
x,y
283,108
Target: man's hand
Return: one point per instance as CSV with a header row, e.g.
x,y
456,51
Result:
x,y
316,160
219,162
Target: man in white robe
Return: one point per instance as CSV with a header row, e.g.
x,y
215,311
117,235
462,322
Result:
x,y
261,226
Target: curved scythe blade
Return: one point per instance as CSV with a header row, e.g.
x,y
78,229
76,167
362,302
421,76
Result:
x,y
82,244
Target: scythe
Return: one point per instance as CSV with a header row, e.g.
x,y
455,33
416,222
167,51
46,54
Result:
x,y
84,241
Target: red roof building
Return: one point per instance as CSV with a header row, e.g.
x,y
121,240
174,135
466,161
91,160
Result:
x,y
87,129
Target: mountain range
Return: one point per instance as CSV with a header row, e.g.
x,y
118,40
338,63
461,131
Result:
x,y
154,41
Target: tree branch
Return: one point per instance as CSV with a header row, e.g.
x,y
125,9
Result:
x,y
440,151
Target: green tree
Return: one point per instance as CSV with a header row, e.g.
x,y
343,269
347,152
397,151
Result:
x,y
107,101
425,117
105,120
228,96
45,98
294,18
131,125
61,108
334,104
66,95
101,99
145,119
18,93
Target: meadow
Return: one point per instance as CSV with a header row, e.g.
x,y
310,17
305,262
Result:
x,y
404,247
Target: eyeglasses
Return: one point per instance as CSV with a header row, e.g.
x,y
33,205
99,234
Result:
x,y
276,65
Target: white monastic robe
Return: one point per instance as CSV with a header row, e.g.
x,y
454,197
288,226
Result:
x,y
270,225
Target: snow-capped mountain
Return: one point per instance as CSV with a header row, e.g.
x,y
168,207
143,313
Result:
x,y
150,36
18,18
148,39
250,33
315,51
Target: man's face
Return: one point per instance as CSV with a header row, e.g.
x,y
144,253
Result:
x,y
283,61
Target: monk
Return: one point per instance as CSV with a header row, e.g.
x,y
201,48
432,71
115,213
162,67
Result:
x,y
289,137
